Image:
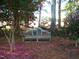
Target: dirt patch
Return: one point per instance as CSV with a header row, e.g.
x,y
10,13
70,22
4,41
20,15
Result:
x,y
54,49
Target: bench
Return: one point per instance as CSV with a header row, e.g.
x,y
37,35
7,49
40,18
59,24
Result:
x,y
36,33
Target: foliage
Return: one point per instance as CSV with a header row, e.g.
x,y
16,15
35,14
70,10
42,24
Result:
x,y
11,11
26,8
73,28
71,6
2,2
72,19
18,10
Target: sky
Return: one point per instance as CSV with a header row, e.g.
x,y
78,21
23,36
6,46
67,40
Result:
x,y
46,9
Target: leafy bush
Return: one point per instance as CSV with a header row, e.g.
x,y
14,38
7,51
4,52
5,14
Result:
x,y
71,29
73,26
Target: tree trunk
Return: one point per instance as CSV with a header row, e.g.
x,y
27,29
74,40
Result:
x,y
40,14
16,20
59,14
16,15
13,6
76,43
53,20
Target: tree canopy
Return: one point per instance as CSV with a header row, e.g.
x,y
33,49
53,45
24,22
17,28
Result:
x,y
72,19
16,11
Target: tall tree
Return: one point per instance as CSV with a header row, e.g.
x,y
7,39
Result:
x,y
27,7
53,21
59,14
23,7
